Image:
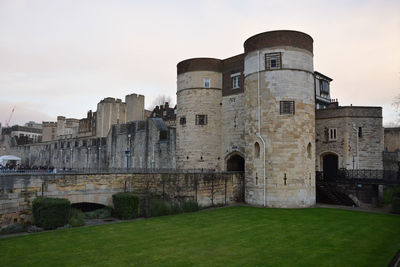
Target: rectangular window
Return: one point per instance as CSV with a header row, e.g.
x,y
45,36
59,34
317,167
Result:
x,y
207,82
201,119
287,107
332,134
182,121
235,80
324,86
273,61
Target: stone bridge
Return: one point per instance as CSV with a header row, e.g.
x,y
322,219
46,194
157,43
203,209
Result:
x,y
17,191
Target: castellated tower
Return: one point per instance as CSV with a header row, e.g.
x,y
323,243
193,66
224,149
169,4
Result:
x,y
134,107
198,130
280,113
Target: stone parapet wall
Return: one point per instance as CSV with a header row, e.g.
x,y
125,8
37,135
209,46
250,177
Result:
x,y
18,191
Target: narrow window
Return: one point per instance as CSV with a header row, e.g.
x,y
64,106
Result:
x,y
201,119
309,150
182,121
207,82
360,132
287,107
332,134
272,61
257,150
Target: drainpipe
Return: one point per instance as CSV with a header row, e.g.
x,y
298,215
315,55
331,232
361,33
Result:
x,y
259,118
356,130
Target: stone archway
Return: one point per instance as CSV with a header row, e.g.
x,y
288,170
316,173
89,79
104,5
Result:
x,y
235,162
330,165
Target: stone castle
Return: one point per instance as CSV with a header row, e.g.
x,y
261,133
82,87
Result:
x,y
265,112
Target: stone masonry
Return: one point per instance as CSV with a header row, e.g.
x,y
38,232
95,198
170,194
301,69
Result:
x,y
18,191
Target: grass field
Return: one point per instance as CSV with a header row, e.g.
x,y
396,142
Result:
x,y
240,236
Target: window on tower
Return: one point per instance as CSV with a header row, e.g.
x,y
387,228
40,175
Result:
x,y
207,82
201,119
235,80
273,61
287,107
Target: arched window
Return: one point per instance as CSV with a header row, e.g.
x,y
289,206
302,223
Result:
x,y
309,150
257,150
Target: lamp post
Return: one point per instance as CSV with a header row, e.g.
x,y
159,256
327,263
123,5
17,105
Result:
x,y
72,155
127,153
88,159
99,158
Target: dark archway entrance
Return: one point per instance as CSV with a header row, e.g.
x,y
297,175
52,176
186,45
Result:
x,y
330,166
235,163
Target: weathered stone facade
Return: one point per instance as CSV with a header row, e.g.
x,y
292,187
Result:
x,y
18,191
392,139
358,142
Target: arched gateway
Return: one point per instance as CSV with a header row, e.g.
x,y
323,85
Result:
x,y
235,162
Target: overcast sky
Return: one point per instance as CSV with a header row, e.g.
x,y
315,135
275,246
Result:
x,y
63,57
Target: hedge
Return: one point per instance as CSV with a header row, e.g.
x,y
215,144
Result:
x,y
126,205
159,207
77,218
50,213
396,205
190,206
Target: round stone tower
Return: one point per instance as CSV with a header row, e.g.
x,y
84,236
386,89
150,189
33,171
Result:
x,y
198,116
280,119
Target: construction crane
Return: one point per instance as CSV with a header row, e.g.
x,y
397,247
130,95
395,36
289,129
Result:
x,y
9,118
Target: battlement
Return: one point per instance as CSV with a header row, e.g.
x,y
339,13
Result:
x,y
49,124
110,100
349,111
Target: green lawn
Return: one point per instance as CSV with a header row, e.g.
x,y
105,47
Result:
x,y
228,236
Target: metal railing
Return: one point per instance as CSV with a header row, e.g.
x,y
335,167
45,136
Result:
x,y
360,176
105,171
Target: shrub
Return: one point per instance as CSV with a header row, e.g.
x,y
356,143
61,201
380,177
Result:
x,y
176,208
126,205
77,218
99,213
190,206
389,193
159,207
396,205
50,213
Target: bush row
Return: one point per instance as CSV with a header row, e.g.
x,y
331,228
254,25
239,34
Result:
x,y
159,207
51,213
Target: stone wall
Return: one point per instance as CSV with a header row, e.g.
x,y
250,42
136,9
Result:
x,y
18,191
392,139
232,126
348,121
149,149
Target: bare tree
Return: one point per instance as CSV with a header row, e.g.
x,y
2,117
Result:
x,y
396,105
161,99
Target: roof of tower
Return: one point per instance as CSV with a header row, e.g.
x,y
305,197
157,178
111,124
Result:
x,y
279,38
198,64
